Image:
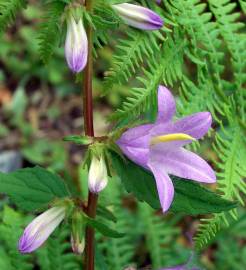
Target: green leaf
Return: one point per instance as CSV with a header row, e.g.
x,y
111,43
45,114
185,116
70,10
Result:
x,y
105,213
131,175
190,197
32,188
103,229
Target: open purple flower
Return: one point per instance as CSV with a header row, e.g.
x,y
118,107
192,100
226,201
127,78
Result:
x,y
37,232
159,148
139,17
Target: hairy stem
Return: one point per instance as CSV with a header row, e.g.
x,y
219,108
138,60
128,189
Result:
x,y
89,131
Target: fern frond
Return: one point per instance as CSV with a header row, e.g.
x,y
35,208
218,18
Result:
x,y
8,11
165,67
229,26
230,147
50,29
243,5
203,37
10,231
131,53
104,19
199,97
231,168
208,229
119,252
159,236
57,253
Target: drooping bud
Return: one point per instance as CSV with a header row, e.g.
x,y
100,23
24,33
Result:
x,y
139,17
76,45
78,233
98,177
37,232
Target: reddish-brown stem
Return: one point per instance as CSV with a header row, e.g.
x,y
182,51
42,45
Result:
x,y
89,131
87,84
90,238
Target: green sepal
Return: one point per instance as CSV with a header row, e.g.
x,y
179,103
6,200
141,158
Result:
x,y
78,139
78,225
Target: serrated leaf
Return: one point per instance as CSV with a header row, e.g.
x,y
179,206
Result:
x,y
103,229
32,188
190,197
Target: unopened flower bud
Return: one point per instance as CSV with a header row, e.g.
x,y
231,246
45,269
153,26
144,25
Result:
x,y
98,177
78,245
139,17
76,45
37,232
78,233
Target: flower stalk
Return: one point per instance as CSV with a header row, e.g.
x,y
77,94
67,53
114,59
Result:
x,y
89,131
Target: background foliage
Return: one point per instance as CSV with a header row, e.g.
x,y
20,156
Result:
x,y
199,54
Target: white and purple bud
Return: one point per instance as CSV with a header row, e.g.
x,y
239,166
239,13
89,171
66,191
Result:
x,y
37,232
78,233
76,45
78,245
98,177
139,17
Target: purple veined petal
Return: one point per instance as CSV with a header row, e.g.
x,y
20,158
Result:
x,y
139,17
185,164
140,136
195,125
164,148
164,184
37,232
166,105
76,45
137,136
138,155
